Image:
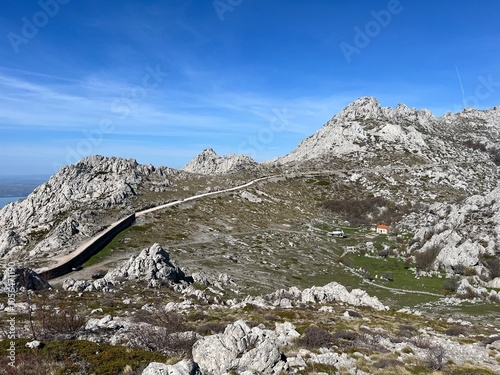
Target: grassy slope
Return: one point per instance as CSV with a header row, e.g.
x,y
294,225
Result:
x,y
277,243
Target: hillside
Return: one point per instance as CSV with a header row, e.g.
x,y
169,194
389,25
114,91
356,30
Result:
x,y
253,274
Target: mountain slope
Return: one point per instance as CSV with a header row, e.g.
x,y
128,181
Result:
x,y
74,204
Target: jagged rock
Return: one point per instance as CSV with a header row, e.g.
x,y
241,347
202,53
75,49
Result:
x,y
108,322
151,265
73,205
332,292
241,349
337,292
495,283
33,344
209,163
184,367
24,278
361,127
463,232
250,197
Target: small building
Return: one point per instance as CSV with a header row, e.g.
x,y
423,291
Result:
x,y
337,233
382,229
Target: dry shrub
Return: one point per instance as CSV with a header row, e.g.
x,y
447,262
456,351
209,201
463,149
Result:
x,y
451,284
163,331
407,331
425,259
28,363
211,328
315,337
456,331
368,210
384,363
346,335
492,263
422,342
354,314
436,356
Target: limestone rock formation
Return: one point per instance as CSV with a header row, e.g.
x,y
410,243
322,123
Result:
x,y
23,278
241,349
365,129
209,163
73,205
184,367
325,294
466,234
151,265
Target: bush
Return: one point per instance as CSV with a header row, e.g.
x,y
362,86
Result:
x,y
384,363
354,314
425,259
475,145
456,331
451,284
388,276
346,335
368,210
315,337
163,332
211,328
407,331
436,356
422,342
492,263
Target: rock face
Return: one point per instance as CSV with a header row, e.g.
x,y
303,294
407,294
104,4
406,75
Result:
x,y
152,265
209,163
74,205
24,278
365,129
241,349
465,233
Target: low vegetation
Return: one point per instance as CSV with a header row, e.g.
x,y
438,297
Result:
x,y
367,211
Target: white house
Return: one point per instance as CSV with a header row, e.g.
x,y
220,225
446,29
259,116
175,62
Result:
x,y
382,229
337,233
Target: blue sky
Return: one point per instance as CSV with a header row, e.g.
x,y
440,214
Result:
x,y
159,81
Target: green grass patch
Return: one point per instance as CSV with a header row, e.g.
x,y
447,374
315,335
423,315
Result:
x,y
68,357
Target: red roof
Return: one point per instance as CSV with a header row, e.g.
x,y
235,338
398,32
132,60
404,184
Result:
x,y
382,227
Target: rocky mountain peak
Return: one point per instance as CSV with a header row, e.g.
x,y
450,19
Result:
x,y
209,163
362,108
63,210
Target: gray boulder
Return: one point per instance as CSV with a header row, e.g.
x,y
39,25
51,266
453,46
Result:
x,y
241,349
184,367
24,278
209,163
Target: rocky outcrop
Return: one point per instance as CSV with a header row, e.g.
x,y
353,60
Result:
x,y
465,234
184,367
152,265
365,129
73,205
362,127
23,278
332,292
243,350
209,163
